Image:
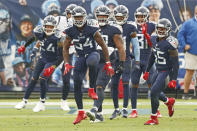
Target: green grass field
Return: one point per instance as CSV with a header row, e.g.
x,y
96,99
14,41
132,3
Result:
x,y
54,119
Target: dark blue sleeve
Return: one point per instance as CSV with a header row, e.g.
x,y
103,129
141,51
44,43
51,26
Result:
x,y
150,62
68,32
151,28
93,30
116,30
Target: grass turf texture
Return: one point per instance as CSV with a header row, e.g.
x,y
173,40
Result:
x,y
54,119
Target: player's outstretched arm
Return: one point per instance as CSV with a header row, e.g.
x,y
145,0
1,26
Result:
x,y
119,45
66,46
175,63
21,49
150,62
135,45
98,38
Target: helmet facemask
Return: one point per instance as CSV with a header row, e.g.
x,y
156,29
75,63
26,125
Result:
x,y
49,29
120,20
79,21
102,19
141,19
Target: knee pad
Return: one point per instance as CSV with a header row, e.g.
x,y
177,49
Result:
x,y
93,59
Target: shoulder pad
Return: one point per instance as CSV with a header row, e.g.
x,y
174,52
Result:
x,y
38,29
117,26
59,34
173,41
132,23
92,22
153,22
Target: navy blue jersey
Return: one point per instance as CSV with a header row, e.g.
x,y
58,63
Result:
x,y
145,49
128,29
49,45
108,32
161,52
83,41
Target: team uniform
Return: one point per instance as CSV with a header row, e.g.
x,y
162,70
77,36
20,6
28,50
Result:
x,y
145,51
85,47
165,63
128,30
50,54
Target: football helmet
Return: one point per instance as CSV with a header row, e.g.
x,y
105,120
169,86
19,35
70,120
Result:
x,y
79,16
121,11
69,9
163,27
49,25
141,15
103,11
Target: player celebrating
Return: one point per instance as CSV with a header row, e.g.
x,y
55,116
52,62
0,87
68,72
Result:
x,y
141,18
83,37
165,56
49,55
129,34
113,39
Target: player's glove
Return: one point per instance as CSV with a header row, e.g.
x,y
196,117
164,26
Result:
x,y
49,71
172,84
147,36
21,50
146,75
120,67
67,68
108,67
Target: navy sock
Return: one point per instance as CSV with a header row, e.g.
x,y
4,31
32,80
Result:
x,y
100,108
134,93
78,94
43,88
65,90
115,93
126,95
30,88
92,76
100,93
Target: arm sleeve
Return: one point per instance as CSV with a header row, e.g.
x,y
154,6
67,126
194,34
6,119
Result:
x,y
136,48
174,60
60,57
150,62
181,37
31,40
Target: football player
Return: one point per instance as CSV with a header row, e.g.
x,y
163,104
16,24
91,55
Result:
x,y
113,39
129,34
84,38
49,55
141,20
165,56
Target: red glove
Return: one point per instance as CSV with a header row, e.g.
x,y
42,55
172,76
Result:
x,y
21,50
67,68
49,71
109,69
146,75
172,84
147,36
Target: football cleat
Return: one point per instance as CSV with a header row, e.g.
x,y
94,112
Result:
x,y
115,114
64,105
133,114
158,114
21,105
39,107
92,94
124,113
153,121
81,116
170,105
91,114
99,118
